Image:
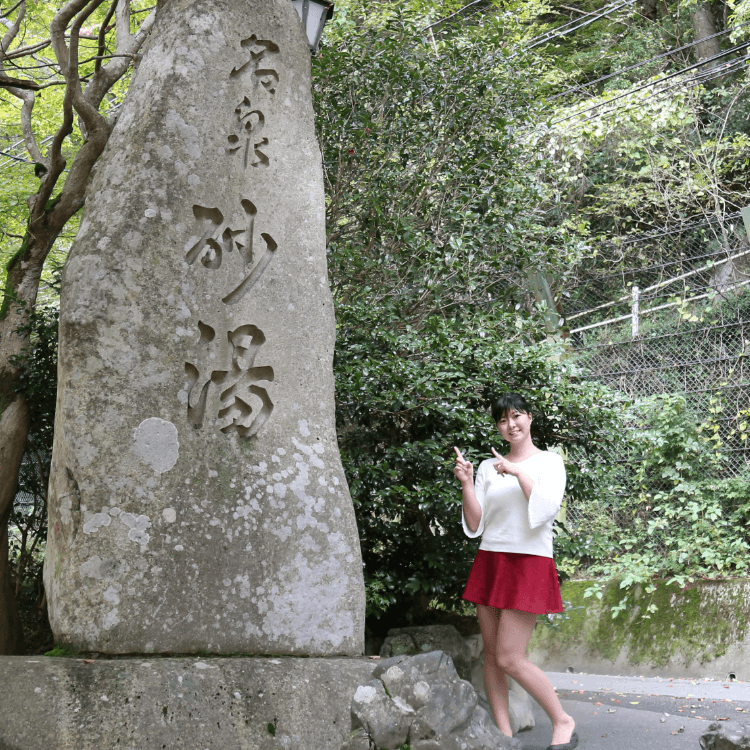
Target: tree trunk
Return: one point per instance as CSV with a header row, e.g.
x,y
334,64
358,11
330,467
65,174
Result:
x,y
705,26
648,9
24,272
14,426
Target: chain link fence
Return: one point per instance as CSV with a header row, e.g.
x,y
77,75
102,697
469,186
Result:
x,y
674,318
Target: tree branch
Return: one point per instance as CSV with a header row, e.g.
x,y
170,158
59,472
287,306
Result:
x,y
13,29
26,51
8,12
29,138
7,82
127,46
103,29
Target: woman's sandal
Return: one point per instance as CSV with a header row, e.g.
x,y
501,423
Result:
x,y
571,745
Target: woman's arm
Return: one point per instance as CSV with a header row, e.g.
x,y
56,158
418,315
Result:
x,y
464,471
503,466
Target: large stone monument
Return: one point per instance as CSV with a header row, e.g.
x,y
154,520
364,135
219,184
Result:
x,y
197,499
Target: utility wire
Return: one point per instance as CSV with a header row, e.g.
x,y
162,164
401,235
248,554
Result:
x,y
696,80
16,158
649,269
645,62
693,81
667,77
679,228
579,23
452,15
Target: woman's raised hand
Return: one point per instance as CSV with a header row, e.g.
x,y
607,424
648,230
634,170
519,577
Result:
x,y
502,465
464,470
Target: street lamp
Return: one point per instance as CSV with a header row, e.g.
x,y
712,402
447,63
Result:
x,y
314,14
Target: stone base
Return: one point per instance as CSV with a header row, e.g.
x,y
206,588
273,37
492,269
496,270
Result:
x,y
191,703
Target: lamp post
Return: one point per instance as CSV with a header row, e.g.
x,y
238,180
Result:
x,y
314,15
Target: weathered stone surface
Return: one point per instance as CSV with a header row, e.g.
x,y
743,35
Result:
x,y
197,497
424,638
191,703
421,700
726,735
693,645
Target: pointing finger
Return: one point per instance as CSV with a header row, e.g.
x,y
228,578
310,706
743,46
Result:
x,y
458,453
496,454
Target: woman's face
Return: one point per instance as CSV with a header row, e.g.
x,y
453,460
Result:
x,y
515,426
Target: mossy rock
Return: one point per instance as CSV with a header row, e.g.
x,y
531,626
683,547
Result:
x,y
670,626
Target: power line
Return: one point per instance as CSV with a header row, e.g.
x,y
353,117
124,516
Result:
x,y
667,77
452,15
679,228
693,81
560,30
645,62
16,158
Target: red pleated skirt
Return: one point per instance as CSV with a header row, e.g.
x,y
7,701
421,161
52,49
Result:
x,y
507,580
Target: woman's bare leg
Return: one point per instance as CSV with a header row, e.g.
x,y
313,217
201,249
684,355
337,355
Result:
x,y
495,680
514,632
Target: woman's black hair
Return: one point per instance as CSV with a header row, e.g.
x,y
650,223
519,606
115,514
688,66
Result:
x,y
507,402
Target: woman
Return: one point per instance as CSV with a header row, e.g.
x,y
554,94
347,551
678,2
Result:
x,y
512,505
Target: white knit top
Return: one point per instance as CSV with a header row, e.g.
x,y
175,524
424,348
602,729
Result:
x,y
510,522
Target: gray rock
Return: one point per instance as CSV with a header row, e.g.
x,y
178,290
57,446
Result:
x,y
197,498
451,704
431,708
475,645
385,722
434,664
399,645
357,740
190,702
481,733
726,735
428,638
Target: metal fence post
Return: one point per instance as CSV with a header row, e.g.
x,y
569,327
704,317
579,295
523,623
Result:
x,y
635,322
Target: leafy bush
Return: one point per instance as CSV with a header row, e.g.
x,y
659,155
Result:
x,y
405,398
688,519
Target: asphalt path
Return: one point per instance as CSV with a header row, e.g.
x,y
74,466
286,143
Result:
x,y
639,713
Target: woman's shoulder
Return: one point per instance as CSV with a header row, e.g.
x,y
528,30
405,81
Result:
x,y
549,457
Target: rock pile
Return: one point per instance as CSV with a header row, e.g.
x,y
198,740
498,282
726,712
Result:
x,y
727,735
425,638
422,701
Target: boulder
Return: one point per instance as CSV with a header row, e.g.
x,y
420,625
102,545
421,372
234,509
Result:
x,y
421,700
422,639
726,735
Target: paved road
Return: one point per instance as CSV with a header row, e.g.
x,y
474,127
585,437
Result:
x,y
637,713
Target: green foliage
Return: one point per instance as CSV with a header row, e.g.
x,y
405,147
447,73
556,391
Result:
x,y
686,520
61,651
432,232
406,396
429,201
28,519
